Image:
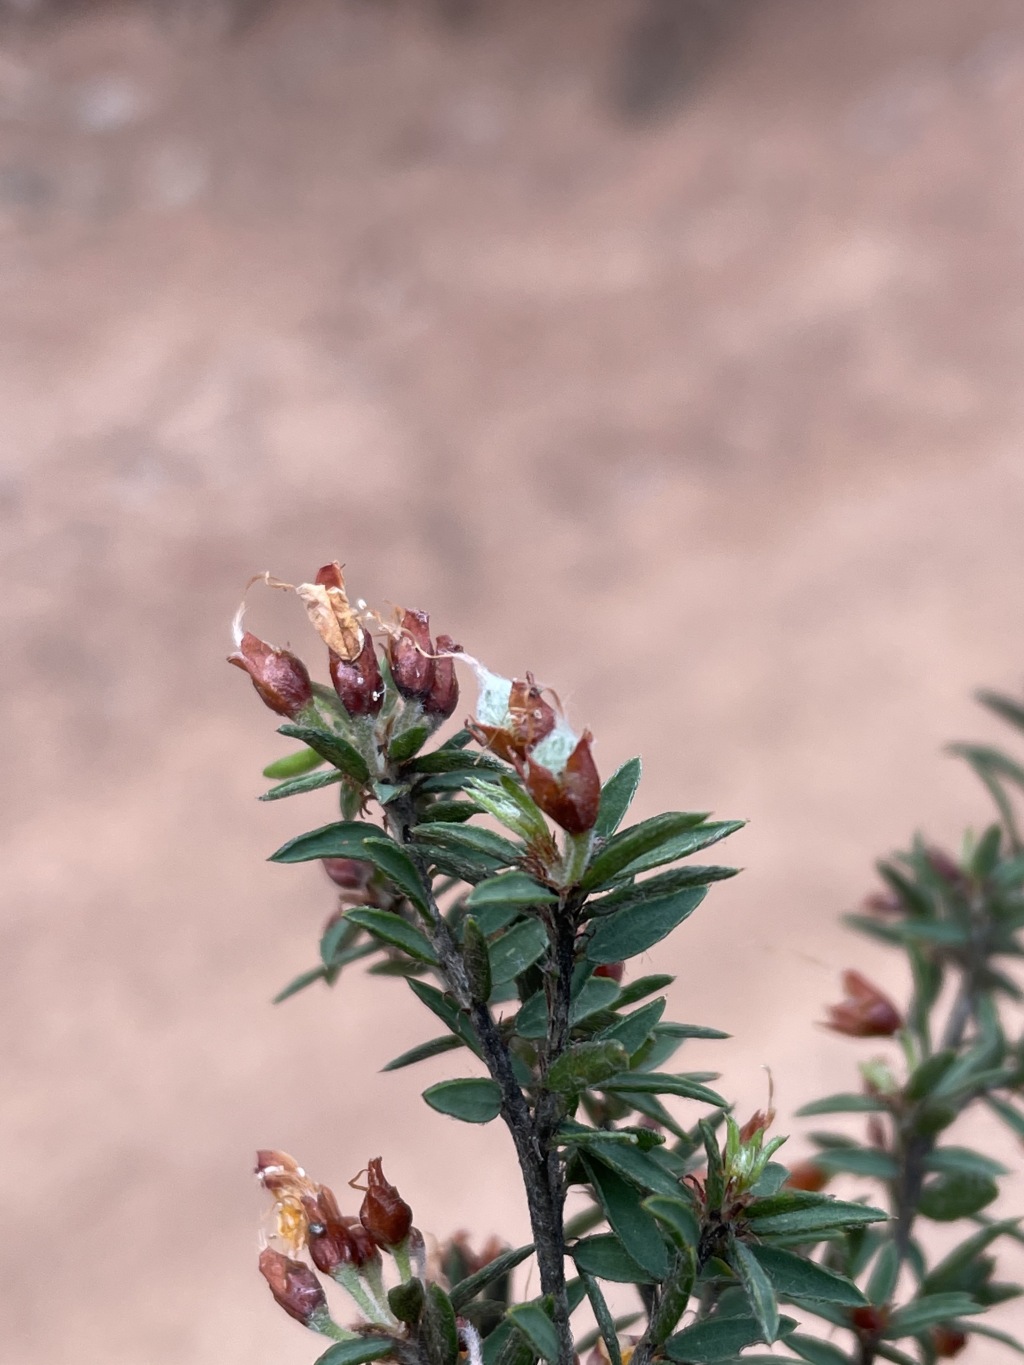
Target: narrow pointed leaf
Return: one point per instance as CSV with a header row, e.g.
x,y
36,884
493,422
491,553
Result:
x,y
344,839
357,1351
605,1322
635,1228
927,1311
628,932
517,949
423,1051
799,1278
467,1289
332,747
395,863
606,1257
616,797
678,1217
663,1083
714,1339
537,1328
758,1289
393,929
842,1104
511,888
297,785
294,765
629,845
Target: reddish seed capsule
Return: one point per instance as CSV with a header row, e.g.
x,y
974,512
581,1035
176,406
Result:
x,y
443,696
280,678
384,1214
807,1175
351,874
866,1012
571,797
327,1236
614,971
358,683
947,1341
410,655
295,1287
869,1321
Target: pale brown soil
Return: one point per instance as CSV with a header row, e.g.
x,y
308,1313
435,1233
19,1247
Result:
x,y
678,364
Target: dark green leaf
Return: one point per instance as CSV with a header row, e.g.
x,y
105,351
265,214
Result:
x,y
606,1324
1005,707
406,1301
293,765
841,1104
793,1212
799,1278
585,1064
470,840
946,1275
438,1327
357,1351
332,747
344,839
472,1285
447,1011
445,760
477,959
606,1257
297,785
409,742
963,1160
634,1226
978,1330
714,1339
758,1289
641,987
592,997
816,1351
538,1329
867,1161
927,1074
654,888
474,1100
663,1083
678,1218
517,949
393,929
958,1195
637,928
630,845
449,812
1013,1118
644,1169
420,1054
616,797
927,1311
512,888
395,863
633,1031
679,847
300,983
884,1273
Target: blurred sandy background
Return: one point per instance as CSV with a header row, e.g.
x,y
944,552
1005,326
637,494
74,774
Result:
x,y
671,350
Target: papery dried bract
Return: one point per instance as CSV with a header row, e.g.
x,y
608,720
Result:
x,y
331,614
281,679
295,1287
570,797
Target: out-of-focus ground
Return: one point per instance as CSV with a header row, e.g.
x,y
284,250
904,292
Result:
x,y
675,358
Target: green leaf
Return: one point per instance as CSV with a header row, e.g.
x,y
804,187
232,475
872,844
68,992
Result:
x,y
511,888
634,1226
799,1278
473,1100
616,797
300,983
512,807
297,785
438,1327
591,998
794,1212
637,928
926,1312
633,1031
606,1257
716,1338
357,1351
1013,1118
469,839
606,1324
424,1050
654,888
477,959
816,1351
344,839
928,1074
1005,707
406,1301
867,1161
841,1104
467,1289
758,1289
538,1329
961,1160
293,765
393,929
663,1083
517,949
445,760
585,1064
977,1329
409,742
638,841
957,1195
395,863
945,1276
449,812
332,747
678,1218
641,987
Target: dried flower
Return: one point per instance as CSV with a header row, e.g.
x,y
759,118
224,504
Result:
x,y
332,617
410,653
281,679
358,681
296,1288
384,1214
866,1012
443,696
570,796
